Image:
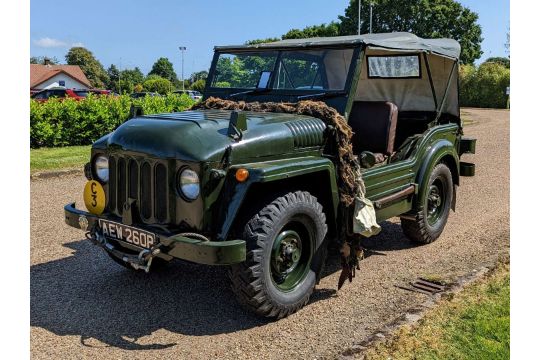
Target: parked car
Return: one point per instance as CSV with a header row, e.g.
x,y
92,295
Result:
x,y
60,92
102,92
195,95
265,191
138,95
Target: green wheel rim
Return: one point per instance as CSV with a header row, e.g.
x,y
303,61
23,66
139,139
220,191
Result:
x,y
291,255
436,199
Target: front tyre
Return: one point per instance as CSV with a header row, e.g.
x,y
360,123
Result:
x,y
432,213
282,239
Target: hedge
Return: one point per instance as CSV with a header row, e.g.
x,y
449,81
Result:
x,y
69,122
484,86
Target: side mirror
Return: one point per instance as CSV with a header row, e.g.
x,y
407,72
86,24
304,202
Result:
x,y
135,111
264,79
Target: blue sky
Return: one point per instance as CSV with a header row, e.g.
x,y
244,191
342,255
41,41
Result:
x,y
136,33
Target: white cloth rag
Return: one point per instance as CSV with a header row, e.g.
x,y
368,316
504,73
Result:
x,y
365,220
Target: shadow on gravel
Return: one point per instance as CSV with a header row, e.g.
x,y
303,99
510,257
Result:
x,y
391,238
88,295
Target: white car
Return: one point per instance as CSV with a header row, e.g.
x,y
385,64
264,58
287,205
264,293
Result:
x,y
195,95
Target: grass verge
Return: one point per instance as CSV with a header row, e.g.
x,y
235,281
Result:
x,y
474,324
48,159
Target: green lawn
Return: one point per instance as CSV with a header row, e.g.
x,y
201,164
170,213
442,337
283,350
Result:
x,y
69,157
475,324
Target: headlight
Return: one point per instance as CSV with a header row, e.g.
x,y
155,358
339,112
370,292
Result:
x,y
188,184
101,167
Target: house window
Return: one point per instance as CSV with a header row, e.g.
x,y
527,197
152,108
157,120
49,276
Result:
x,y
62,83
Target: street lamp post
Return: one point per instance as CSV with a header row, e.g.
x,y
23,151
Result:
x,y
370,15
182,49
359,18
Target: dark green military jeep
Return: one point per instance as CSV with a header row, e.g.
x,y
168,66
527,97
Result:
x,y
260,191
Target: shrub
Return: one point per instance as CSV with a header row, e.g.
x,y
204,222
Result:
x,y
159,85
484,86
199,85
124,86
70,122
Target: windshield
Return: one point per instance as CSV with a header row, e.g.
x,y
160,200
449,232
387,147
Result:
x,y
324,69
82,93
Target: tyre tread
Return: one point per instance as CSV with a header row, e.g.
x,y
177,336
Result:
x,y
247,278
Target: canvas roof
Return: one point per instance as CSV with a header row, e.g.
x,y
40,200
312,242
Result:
x,y
40,73
395,41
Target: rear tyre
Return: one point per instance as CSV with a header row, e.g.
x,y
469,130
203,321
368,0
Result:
x,y
432,213
282,239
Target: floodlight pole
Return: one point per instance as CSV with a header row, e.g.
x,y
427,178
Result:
x,y
182,49
359,17
370,16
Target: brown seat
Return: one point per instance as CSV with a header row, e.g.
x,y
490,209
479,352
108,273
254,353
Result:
x,y
374,126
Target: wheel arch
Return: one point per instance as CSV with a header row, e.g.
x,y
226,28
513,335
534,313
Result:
x,y
321,184
443,151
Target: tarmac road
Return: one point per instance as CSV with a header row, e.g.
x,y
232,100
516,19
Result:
x,y
83,305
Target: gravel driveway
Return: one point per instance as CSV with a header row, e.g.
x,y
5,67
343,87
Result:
x,y
85,306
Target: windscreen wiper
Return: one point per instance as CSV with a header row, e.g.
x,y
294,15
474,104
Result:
x,y
323,95
249,92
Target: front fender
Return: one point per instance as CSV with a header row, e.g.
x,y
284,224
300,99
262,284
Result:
x,y
441,150
234,192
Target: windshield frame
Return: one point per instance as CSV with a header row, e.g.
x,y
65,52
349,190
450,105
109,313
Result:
x,y
286,94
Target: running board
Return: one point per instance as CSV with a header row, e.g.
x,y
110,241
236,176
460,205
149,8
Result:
x,y
400,195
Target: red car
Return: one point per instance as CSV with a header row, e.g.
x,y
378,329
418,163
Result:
x,y
77,94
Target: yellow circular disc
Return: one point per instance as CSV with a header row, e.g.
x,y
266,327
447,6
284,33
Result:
x,y
94,197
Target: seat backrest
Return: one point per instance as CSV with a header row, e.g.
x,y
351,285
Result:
x,y
374,126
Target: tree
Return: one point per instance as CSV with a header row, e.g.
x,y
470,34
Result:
x,y
124,86
42,60
125,80
500,60
261,41
134,76
90,66
507,43
425,18
159,85
323,30
164,68
114,76
199,85
484,86
200,75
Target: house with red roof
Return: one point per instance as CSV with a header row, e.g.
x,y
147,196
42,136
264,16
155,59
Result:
x,y
48,76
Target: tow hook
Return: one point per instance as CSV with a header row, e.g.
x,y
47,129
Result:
x,y
142,261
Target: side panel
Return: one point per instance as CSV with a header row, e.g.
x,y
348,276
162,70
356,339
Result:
x,y
234,192
438,142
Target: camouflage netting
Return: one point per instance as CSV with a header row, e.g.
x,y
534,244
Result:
x,y
350,184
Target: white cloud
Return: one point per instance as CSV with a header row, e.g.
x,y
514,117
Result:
x,y
47,42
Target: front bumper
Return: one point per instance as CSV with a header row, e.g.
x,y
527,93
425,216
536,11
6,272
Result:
x,y
195,250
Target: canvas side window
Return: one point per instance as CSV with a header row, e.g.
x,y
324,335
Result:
x,y
395,66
